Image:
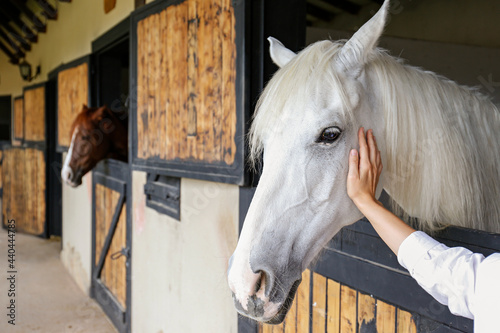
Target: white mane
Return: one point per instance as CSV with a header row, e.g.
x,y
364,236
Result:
x,y
442,153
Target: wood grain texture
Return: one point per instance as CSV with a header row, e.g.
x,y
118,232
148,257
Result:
x,y
72,94
186,73
386,317
405,322
18,119
366,312
347,310
333,304
319,303
113,274
34,114
303,303
23,174
291,318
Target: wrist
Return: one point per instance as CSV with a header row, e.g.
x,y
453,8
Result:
x,y
365,202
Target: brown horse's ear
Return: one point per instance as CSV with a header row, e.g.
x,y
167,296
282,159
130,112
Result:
x,y
99,113
84,107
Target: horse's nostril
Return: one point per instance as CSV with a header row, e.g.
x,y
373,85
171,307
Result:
x,y
260,282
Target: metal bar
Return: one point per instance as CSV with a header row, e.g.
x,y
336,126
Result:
x,y
345,5
109,236
39,25
13,58
48,10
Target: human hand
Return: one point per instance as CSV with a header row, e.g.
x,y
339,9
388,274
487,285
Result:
x,y
365,168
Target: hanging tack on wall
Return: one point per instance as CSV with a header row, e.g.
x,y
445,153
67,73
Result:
x,y
109,5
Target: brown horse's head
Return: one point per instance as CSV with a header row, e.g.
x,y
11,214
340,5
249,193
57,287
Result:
x,y
96,134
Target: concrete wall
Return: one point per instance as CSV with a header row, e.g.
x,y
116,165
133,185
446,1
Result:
x,y
179,268
77,231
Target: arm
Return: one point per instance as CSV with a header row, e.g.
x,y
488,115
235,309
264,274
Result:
x,y
453,276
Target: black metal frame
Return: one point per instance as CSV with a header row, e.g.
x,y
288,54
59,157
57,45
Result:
x,y
164,195
114,36
53,74
236,173
115,175
14,138
358,258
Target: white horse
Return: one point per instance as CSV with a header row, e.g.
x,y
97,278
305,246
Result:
x,y
438,141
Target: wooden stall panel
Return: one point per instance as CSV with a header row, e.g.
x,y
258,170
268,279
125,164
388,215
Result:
x,y
34,114
386,317
186,105
23,174
113,274
72,94
18,119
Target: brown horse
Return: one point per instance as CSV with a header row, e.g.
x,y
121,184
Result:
x,y
96,134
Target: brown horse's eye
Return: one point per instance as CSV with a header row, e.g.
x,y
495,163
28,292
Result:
x,y
329,135
86,137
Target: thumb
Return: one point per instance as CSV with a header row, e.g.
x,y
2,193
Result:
x,y
353,164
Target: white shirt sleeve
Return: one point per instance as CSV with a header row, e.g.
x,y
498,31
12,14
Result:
x,y
447,274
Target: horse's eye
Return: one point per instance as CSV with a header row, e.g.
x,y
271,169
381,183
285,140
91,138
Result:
x,y
329,135
86,137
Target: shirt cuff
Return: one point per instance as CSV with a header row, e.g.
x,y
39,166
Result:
x,y
414,248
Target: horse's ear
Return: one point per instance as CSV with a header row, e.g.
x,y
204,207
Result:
x,y
279,53
357,50
99,113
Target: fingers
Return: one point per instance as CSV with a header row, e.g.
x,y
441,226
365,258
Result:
x,y
353,164
379,163
369,155
363,148
372,147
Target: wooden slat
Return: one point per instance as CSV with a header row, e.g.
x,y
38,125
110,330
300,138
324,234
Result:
x,y
347,310
405,322
141,84
333,300
72,93
319,303
162,117
366,312
18,118
303,293
228,83
386,317
291,318
34,114
192,64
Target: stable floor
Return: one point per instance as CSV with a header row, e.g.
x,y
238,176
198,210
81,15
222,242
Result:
x,y
46,297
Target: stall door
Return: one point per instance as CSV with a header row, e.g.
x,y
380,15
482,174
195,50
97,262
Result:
x,y
111,259
24,188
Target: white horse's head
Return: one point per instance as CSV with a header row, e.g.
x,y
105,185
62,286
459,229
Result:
x,y
306,123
